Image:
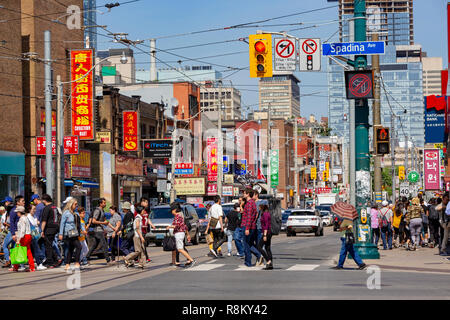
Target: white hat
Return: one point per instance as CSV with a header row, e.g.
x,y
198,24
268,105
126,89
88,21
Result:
x,y
384,203
67,199
126,205
20,209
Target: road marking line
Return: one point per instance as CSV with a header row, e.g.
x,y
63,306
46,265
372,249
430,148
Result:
x,y
303,267
212,261
245,268
205,267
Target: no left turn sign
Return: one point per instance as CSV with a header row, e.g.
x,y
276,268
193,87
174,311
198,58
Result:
x,y
285,48
285,58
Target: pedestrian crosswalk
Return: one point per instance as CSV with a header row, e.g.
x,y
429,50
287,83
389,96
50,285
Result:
x,y
231,267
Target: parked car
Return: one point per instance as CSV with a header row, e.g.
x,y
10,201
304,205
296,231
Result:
x,y
162,217
284,217
304,221
227,208
326,217
202,222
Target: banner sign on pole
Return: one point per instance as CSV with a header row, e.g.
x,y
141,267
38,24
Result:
x,y
70,145
130,131
274,168
212,159
81,61
431,169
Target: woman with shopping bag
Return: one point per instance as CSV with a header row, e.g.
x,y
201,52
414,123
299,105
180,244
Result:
x,y
23,237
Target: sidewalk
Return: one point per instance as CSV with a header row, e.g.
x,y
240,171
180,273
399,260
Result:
x,y
421,260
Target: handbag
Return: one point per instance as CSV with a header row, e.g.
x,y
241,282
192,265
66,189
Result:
x,y
209,239
73,233
169,243
35,234
213,223
19,255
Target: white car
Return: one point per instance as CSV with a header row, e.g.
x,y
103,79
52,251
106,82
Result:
x,y
326,217
304,221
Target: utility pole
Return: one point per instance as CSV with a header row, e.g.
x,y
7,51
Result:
x,y
406,155
295,163
376,118
59,142
219,144
393,159
269,151
366,249
48,114
172,175
352,155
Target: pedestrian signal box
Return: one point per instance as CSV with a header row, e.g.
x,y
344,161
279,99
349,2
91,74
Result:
x,y
382,141
260,55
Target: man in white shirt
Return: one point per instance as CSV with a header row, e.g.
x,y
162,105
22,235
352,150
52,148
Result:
x,y
216,225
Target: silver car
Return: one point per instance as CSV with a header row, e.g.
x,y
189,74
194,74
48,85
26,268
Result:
x,y
304,221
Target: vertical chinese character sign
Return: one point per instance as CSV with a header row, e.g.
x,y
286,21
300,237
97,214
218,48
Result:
x,y
431,169
81,62
130,131
212,159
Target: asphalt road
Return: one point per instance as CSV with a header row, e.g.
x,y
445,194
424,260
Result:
x,y
301,271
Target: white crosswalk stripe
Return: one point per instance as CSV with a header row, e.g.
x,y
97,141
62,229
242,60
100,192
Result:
x,y
205,267
303,267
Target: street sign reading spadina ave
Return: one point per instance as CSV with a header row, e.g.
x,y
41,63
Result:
x,y
353,48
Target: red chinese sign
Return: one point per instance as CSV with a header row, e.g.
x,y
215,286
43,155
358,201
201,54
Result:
x,y
130,131
212,159
212,189
81,62
431,169
323,190
70,145
43,123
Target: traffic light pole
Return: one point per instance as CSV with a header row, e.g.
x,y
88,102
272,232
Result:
x,y
366,249
376,119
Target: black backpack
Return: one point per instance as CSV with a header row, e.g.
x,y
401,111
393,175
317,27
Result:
x,y
55,220
433,213
275,220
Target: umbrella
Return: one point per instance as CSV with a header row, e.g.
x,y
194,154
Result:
x,y
344,210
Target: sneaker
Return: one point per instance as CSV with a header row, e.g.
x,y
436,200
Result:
x,y
229,254
220,254
362,267
41,267
269,267
213,252
21,268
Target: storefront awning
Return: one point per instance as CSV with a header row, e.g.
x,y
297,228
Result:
x,y
67,182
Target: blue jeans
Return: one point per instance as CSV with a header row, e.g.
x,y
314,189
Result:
x,y
375,235
238,241
55,247
38,255
126,246
250,247
230,240
348,249
387,230
8,240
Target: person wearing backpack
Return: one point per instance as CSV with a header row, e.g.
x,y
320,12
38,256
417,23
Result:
x,y
385,221
265,241
414,220
433,223
232,221
50,227
99,222
127,231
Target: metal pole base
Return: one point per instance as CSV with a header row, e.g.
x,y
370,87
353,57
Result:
x,y
367,250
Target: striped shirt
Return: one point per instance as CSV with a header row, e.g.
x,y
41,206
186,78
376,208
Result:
x,y
249,215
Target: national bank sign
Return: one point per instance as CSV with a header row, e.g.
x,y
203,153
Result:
x,y
157,148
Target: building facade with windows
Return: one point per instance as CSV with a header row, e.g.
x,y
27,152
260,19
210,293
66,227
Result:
x,y
282,92
212,96
90,19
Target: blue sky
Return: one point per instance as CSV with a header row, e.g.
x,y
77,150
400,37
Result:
x,y
147,19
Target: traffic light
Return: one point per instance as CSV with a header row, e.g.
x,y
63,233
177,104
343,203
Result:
x,y
309,62
313,173
401,173
326,175
260,53
382,141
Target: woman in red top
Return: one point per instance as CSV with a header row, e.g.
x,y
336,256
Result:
x,y
180,230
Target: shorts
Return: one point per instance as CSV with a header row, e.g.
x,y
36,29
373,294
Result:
x,y
179,239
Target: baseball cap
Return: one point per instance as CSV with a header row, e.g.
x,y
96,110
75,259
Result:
x,y
384,203
35,196
126,205
8,199
67,199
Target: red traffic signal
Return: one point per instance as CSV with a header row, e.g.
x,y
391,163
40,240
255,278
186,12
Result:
x,y
260,47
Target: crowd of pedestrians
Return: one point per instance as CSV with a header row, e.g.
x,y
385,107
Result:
x,y
412,224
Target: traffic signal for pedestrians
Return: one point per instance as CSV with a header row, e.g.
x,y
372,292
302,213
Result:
x,y
260,54
382,141
401,173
